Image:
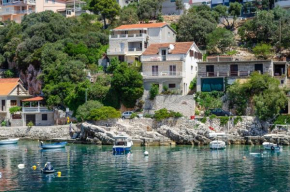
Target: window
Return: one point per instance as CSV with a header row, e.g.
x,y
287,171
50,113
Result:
x,y
172,1
234,70
282,82
191,69
155,70
13,102
172,69
172,86
163,55
44,117
210,70
259,68
191,53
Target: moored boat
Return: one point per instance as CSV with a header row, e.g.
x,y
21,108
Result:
x,y
53,145
9,141
122,144
272,146
217,144
48,168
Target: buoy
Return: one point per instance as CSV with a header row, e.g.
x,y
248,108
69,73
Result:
x,y
146,153
59,174
34,167
21,166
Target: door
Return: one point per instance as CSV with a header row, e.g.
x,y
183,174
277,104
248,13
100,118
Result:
x,y
155,70
172,70
163,55
30,118
259,68
234,70
122,46
3,105
210,70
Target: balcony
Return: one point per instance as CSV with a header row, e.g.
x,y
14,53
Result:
x,y
116,51
35,110
27,2
124,36
225,74
163,58
162,74
14,12
135,49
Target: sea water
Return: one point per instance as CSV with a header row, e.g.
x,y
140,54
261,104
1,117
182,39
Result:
x,y
173,168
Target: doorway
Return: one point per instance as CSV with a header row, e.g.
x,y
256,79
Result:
x,y
30,118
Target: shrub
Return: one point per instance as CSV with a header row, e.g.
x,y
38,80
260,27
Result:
x,y
197,112
30,124
133,115
203,120
154,90
262,50
84,110
224,120
13,110
192,84
165,88
104,113
282,120
3,123
237,119
207,113
211,117
164,114
8,73
148,115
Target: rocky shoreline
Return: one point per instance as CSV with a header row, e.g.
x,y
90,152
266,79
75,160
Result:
x,y
148,132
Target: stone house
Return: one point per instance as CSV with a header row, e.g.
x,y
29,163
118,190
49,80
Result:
x,y
128,42
213,74
173,65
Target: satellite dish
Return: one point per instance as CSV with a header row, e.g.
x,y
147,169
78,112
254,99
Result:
x,y
171,46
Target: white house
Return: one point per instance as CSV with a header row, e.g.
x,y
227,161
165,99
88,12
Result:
x,y
169,6
172,65
128,42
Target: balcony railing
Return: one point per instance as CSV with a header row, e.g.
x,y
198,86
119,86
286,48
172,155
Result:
x,y
166,58
12,12
162,74
29,2
116,36
225,74
135,49
35,110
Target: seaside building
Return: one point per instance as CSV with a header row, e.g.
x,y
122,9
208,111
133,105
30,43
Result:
x,y
171,65
13,94
16,9
128,42
169,6
213,74
283,3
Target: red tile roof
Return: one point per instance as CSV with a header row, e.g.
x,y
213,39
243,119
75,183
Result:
x,y
141,26
179,48
33,99
7,85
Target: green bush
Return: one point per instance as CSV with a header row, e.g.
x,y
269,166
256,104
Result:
x,y
197,112
165,88
83,111
8,73
224,120
13,110
237,119
104,113
164,114
154,90
207,113
282,120
203,120
262,50
133,115
211,117
3,123
192,84
30,124
148,115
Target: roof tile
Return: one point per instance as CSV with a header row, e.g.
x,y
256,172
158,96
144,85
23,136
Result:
x,y
139,26
7,85
179,48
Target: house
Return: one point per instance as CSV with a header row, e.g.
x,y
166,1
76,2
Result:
x,y
169,6
128,42
283,3
16,9
13,94
216,72
173,65
124,3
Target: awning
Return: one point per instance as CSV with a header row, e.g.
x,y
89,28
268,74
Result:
x,y
33,99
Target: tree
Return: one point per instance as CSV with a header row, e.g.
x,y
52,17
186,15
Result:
x,y
262,50
234,11
128,15
104,113
179,5
108,9
128,83
220,40
84,110
99,90
149,9
193,27
154,90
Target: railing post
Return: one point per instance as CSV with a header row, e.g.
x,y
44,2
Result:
x,y
238,73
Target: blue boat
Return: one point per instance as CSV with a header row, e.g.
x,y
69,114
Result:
x,y
122,144
53,145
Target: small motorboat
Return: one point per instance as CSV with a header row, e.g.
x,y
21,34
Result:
x,y
9,141
53,145
48,168
216,144
272,146
122,144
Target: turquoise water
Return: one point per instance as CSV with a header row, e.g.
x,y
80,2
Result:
x,y
181,168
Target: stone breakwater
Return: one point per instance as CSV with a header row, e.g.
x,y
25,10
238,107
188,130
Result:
x,y
43,132
179,131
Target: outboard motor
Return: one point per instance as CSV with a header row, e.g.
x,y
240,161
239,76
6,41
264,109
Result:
x,y
48,168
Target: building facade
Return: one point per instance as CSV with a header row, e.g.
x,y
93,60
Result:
x,y
170,65
169,6
128,42
14,10
216,72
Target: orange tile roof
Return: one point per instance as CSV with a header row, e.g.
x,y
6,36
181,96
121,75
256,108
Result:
x,y
179,48
139,26
7,85
34,99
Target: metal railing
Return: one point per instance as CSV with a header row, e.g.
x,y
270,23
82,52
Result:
x,y
35,109
135,49
126,35
226,74
163,74
17,12
30,2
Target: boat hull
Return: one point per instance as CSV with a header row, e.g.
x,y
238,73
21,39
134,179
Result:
x,y
54,146
271,146
121,149
9,141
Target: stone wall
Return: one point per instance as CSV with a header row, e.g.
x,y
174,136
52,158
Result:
x,y
178,103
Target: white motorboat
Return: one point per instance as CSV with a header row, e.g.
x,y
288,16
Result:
x,y
216,144
122,144
272,146
9,141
